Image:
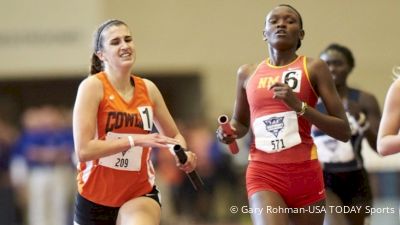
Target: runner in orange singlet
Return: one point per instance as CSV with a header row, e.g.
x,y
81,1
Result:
x,y
112,122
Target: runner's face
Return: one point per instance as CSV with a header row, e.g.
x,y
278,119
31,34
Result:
x,y
282,27
338,65
118,47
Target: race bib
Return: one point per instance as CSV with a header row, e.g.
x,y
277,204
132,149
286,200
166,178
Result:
x,y
331,150
276,132
130,160
146,112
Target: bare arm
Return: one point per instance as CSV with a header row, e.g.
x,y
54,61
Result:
x,y
87,146
371,108
167,126
241,114
335,122
162,117
388,136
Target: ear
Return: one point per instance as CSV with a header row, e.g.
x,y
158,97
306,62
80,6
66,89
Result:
x,y
265,35
301,34
100,55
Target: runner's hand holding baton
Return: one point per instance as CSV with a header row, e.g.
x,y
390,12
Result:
x,y
223,121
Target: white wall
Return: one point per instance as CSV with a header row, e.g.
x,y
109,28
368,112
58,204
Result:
x,y
44,37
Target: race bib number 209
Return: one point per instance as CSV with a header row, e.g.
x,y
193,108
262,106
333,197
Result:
x,y
129,160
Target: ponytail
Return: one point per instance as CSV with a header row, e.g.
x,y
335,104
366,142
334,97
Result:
x,y
96,66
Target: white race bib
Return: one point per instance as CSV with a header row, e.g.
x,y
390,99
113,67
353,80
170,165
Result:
x,y
276,132
146,112
331,150
130,160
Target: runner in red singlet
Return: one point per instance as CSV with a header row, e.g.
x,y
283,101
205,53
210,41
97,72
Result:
x,y
276,99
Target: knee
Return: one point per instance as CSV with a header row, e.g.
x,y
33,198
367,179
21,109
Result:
x,y
141,210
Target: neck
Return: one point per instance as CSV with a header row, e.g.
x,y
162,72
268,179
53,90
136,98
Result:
x,y
120,79
342,90
281,58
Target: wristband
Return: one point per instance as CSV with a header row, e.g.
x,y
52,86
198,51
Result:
x,y
304,107
131,141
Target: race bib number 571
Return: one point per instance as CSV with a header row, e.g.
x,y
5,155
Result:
x,y
276,132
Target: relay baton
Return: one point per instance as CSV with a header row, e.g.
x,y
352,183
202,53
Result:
x,y
193,176
223,121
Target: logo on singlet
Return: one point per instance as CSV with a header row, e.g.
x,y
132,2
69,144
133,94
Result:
x,y
331,144
274,125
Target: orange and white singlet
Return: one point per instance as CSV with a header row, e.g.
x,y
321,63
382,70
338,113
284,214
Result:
x,y
280,136
115,179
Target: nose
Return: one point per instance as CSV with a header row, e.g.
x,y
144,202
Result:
x,y
331,67
332,71
124,45
281,23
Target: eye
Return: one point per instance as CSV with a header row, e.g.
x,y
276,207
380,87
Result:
x,y
272,21
128,39
290,20
114,42
335,63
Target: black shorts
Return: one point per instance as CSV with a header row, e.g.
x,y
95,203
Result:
x,y
352,187
89,213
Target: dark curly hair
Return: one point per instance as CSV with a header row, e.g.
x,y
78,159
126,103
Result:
x,y
344,50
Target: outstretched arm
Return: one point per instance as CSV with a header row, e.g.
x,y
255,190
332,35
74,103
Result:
x,y
167,126
87,145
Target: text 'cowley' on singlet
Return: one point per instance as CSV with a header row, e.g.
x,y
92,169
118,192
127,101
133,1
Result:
x,y
280,136
115,179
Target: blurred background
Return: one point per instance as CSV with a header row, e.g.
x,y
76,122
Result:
x,y
191,50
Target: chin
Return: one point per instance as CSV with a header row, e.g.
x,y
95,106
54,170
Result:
x,y
282,45
126,65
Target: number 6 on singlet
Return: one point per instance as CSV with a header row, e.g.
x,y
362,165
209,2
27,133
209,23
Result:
x,y
293,79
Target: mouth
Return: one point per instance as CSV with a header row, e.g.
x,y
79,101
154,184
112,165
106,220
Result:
x,y
281,32
126,55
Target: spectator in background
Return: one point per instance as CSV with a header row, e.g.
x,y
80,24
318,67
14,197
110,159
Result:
x,y
215,167
46,146
8,206
199,140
